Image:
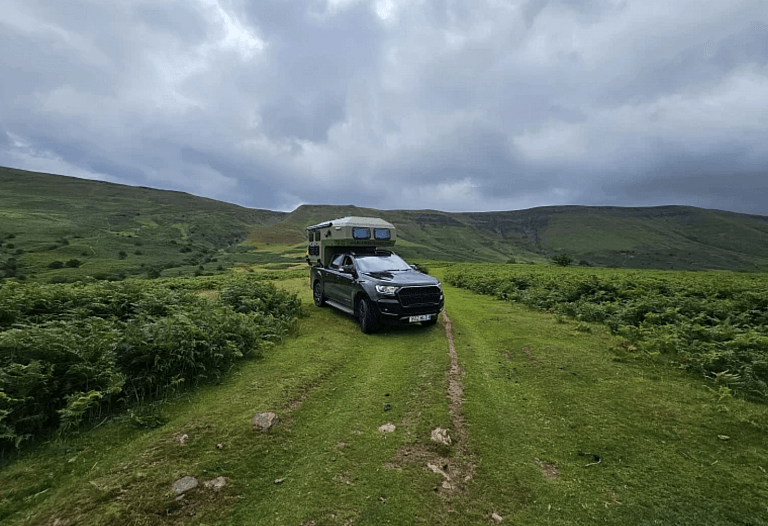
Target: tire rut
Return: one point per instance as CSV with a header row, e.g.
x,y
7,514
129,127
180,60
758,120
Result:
x,y
462,471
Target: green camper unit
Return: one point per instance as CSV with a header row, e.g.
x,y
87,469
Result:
x,y
331,237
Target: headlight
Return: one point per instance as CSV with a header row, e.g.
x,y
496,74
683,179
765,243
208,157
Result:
x,y
386,289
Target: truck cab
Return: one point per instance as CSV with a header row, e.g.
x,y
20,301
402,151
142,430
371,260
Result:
x,y
352,271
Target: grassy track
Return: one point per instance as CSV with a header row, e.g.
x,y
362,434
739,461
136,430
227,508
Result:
x,y
329,386
536,392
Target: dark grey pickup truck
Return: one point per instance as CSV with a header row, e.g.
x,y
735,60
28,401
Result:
x,y
377,287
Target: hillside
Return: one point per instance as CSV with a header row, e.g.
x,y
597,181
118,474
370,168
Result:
x,y
112,230
62,228
664,237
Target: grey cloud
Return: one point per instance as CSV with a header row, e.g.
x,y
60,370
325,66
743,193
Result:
x,y
311,62
459,105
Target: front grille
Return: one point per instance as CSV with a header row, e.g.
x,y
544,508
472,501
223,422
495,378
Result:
x,y
415,296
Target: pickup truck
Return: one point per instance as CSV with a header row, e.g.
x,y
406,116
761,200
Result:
x,y
377,287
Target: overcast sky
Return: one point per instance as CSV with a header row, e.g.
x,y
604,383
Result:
x,y
456,105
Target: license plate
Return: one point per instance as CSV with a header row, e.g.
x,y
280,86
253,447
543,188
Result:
x,y
423,317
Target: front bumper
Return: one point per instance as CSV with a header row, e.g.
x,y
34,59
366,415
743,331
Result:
x,y
391,310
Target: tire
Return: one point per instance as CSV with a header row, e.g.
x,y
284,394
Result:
x,y
366,316
317,294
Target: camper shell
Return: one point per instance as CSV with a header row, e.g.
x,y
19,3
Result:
x,y
351,270
325,240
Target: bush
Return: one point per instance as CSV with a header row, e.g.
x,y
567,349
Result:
x,y
74,263
56,264
562,260
81,352
122,255
708,323
9,268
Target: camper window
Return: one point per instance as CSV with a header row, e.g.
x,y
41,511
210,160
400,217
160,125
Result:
x,y
381,233
361,233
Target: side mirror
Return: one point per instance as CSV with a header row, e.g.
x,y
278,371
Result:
x,y
347,269
415,267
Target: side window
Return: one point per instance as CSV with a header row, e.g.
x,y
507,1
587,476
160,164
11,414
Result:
x,y
361,233
347,261
382,233
336,262
311,236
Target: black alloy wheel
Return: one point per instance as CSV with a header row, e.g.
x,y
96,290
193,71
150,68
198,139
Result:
x,y
317,294
366,316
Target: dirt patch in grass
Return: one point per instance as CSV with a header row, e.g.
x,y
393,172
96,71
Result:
x,y
456,463
548,469
460,471
531,357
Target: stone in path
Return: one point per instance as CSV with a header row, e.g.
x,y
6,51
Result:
x,y
184,484
262,422
387,428
215,484
441,435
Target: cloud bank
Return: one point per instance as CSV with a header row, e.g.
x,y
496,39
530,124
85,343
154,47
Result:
x,y
455,105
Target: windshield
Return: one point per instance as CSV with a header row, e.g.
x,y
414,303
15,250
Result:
x,y
380,263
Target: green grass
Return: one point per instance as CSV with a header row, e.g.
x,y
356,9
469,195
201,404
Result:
x,y
53,218
658,432
328,385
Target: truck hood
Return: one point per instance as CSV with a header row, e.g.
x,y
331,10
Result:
x,y
404,278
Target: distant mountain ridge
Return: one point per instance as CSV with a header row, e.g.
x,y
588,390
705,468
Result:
x,y
59,215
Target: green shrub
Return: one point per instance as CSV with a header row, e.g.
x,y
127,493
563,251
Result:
x,y
56,264
73,354
562,260
708,323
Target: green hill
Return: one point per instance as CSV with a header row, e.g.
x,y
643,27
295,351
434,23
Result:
x,y
62,228
112,230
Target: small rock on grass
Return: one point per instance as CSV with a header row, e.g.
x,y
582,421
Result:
x,y
184,484
389,427
441,435
496,517
215,484
263,422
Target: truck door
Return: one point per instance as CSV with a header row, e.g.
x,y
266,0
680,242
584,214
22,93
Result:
x,y
332,279
346,282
